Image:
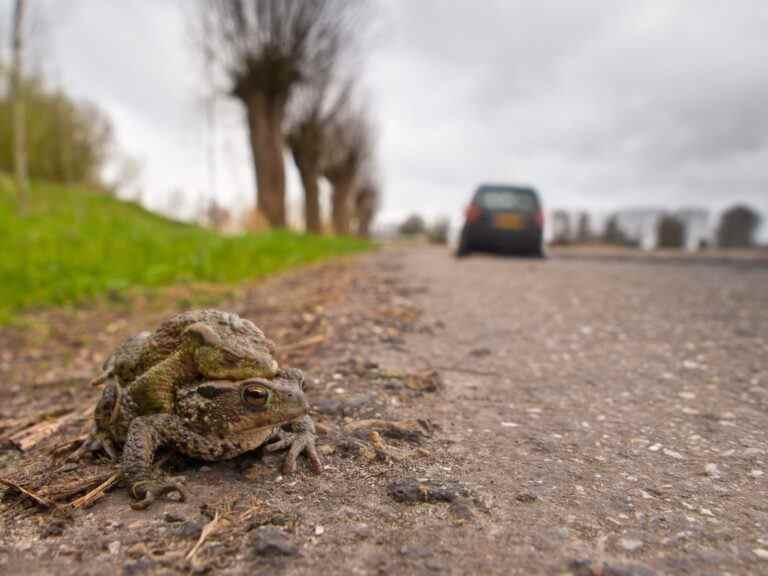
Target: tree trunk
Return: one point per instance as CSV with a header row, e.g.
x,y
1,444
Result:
x,y
341,199
265,120
310,176
364,218
19,115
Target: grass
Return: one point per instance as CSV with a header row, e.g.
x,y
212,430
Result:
x,y
74,244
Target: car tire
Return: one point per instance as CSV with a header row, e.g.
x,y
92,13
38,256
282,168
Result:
x,y
462,250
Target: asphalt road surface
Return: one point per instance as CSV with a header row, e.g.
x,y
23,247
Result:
x,y
605,418
614,413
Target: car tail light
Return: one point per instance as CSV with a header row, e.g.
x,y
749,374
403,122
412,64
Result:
x,y
473,213
539,219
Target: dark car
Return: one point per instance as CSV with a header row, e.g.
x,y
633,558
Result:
x,y
503,218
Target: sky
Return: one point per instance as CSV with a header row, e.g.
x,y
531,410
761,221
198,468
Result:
x,y
599,104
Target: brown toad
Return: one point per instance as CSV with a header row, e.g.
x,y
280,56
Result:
x,y
216,420
149,376
188,347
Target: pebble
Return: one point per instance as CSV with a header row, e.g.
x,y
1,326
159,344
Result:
x,y
673,454
712,470
756,473
760,553
114,548
137,567
319,530
655,447
509,424
189,529
630,544
526,497
269,541
425,490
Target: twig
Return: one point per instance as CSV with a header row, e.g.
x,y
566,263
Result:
x,y
207,531
39,499
303,343
96,493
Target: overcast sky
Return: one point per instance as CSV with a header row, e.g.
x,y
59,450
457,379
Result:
x,y
598,103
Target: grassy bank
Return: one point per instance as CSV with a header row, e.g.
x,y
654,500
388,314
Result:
x,y
74,244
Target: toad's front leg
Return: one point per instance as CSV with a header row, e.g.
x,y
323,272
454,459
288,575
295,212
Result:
x,y
302,438
146,435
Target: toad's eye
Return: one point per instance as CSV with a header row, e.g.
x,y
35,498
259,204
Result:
x,y
256,396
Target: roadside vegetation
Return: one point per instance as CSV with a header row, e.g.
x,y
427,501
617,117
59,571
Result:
x,y
75,243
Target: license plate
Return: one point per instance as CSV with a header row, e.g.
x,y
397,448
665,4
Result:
x,y
508,221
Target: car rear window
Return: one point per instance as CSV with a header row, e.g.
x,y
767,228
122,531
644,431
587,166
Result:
x,y
512,199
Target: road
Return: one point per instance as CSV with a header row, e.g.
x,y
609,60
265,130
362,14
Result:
x,y
604,417
623,416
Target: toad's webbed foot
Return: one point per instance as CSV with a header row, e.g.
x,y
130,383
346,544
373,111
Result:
x,y
145,492
97,441
301,439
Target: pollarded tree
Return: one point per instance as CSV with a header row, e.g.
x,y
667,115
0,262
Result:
x,y
347,155
267,48
737,228
367,198
314,110
670,232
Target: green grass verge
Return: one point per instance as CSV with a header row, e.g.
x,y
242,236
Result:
x,y
74,244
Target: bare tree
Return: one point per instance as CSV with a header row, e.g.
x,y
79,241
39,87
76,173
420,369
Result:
x,y
737,228
670,232
267,48
314,111
348,154
17,97
367,198
584,229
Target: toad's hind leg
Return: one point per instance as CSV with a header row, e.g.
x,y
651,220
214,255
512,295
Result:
x,y
146,435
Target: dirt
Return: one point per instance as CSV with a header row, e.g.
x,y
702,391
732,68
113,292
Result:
x,y
487,415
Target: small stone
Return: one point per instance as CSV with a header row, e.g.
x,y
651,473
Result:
x,y
761,553
480,352
526,498
53,529
712,470
114,548
269,541
189,530
654,448
170,517
630,544
581,567
509,424
319,530
138,567
425,490
673,454
756,473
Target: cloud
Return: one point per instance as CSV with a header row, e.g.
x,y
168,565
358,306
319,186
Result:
x,y
599,104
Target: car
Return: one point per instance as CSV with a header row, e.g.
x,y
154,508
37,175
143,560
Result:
x,y
503,218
